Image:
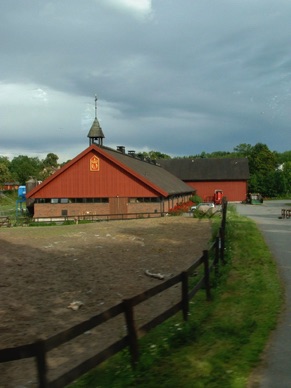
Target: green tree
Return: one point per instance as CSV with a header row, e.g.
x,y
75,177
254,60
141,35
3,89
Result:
x,y
5,160
23,167
5,175
153,155
50,165
243,150
284,157
262,160
286,178
51,160
263,164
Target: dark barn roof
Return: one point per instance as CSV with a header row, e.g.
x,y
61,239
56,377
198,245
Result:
x,y
152,172
208,169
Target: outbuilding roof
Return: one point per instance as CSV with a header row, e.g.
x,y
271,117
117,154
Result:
x,y
207,169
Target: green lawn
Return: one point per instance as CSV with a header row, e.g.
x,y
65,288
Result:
x,y
8,206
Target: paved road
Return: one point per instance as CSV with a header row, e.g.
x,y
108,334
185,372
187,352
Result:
x,y
276,372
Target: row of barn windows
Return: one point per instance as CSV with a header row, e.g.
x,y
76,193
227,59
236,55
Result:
x,y
93,200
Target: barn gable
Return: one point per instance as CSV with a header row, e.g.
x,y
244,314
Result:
x,y
103,172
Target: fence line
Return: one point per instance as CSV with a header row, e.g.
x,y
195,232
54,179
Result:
x,y
100,217
126,307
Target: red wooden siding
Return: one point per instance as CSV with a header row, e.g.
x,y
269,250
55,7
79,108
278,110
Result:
x,y
79,182
233,191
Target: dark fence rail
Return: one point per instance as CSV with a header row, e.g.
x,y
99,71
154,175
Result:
x,y
209,261
99,217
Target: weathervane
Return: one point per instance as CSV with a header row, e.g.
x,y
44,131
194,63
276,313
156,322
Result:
x,y
95,106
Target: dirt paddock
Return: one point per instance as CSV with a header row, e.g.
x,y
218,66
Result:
x,y
44,269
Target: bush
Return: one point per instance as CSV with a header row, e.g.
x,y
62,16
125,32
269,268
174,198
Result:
x,y
195,199
180,208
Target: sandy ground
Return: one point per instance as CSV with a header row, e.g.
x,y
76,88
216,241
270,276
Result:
x,y
44,269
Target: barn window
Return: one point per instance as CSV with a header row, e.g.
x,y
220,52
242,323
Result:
x,y
100,200
88,200
149,199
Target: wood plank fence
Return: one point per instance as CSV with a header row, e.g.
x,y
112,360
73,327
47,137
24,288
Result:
x,y
99,217
209,261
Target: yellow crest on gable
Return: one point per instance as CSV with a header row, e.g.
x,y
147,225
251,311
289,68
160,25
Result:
x,y
94,163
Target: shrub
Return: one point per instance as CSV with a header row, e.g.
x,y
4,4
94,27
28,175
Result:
x,y
182,207
196,199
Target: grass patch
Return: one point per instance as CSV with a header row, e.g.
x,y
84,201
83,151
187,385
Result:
x,y
8,203
223,339
10,208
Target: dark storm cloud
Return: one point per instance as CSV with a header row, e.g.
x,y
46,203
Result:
x,y
179,77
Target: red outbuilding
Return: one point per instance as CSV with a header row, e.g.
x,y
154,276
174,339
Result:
x,y
206,175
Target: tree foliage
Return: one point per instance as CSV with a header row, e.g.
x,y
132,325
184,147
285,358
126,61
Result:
x,y
23,167
50,165
51,160
5,175
153,155
270,171
243,150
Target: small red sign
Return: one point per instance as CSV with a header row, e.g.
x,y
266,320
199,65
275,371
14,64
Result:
x,y
94,163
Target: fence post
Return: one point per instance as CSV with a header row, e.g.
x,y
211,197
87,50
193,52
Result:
x,y
217,254
41,363
132,334
206,274
185,298
224,210
222,244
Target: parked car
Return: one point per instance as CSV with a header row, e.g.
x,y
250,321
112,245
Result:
x,y
202,206
254,198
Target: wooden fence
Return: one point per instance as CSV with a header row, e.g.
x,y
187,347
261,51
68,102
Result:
x,y
209,261
98,217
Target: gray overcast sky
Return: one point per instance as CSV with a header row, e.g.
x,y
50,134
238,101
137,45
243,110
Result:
x,y
180,77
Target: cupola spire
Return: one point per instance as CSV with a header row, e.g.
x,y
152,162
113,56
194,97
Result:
x,y
95,134
96,106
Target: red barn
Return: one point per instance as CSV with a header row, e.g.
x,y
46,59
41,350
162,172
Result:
x,y
206,175
101,180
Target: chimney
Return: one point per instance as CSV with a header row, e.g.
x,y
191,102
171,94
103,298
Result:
x,y
131,153
121,149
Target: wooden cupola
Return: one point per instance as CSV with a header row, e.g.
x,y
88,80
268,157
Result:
x,y
96,134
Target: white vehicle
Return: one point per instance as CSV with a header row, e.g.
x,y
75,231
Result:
x,y
203,206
